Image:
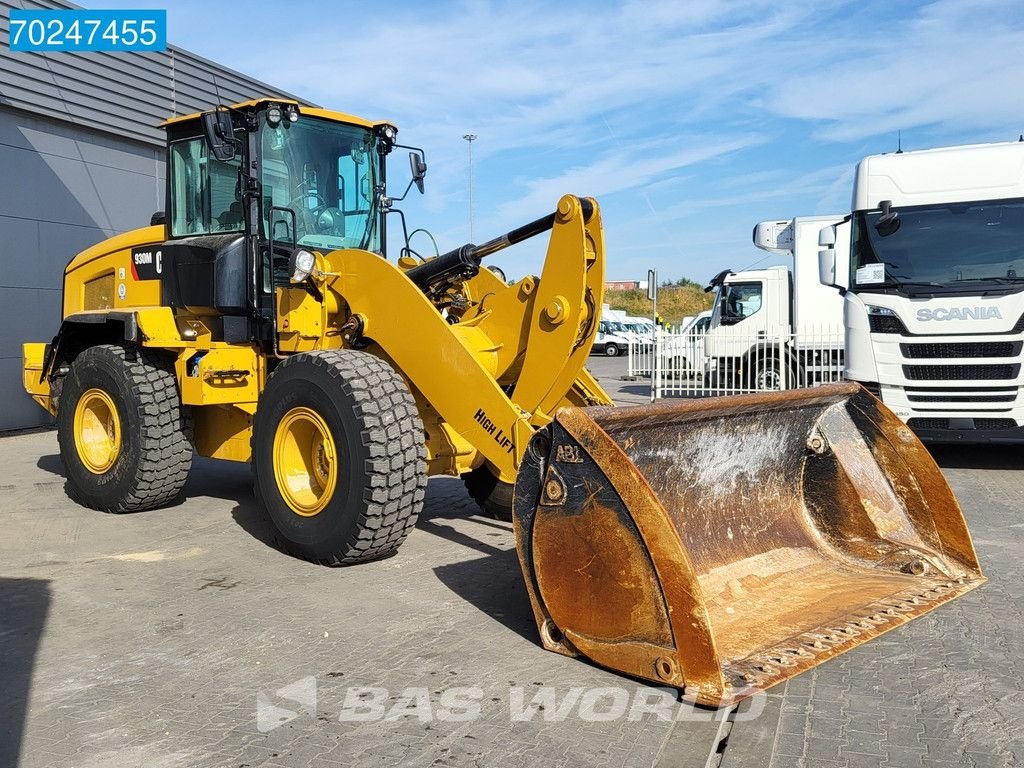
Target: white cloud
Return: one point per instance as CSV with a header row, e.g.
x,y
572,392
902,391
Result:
x,y
623,170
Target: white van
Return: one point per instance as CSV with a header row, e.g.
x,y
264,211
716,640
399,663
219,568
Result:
x,y
612,338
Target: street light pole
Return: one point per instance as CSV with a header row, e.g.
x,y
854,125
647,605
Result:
x,y
470,138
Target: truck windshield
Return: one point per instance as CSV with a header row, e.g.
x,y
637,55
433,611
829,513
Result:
x,y
951,248
327,173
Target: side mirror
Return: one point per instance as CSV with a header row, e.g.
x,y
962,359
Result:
x,y
220,134
157,219
827,266
889,221
827,256
418,168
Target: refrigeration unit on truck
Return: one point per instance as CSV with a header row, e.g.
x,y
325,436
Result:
x,y
931,264
773,328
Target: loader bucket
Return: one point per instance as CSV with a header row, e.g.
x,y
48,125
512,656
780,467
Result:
x,y
725,545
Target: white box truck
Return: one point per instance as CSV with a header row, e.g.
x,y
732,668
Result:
x,y
777,328
931,265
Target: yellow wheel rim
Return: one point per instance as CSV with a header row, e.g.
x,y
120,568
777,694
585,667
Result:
x,y
305,461
97,431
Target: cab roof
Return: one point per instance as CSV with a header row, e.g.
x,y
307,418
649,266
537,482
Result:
x,y
253,104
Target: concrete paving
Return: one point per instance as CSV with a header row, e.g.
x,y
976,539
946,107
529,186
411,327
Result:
x,y
181,637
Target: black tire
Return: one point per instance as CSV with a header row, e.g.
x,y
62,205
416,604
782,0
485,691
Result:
x,y
611,349
767,375
152,465
379,440
492,495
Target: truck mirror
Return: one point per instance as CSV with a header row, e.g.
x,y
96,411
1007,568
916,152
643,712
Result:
x,y
827,266
418,168
220,134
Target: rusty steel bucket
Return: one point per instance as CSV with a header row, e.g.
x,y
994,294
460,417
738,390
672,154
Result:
x,y
724,545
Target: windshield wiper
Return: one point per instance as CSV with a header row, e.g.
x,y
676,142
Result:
x,y
929,288
1001,280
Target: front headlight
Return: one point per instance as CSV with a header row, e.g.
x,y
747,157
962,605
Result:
x,y
881,311
301,265
884,320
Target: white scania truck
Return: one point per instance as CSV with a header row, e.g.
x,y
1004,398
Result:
x,y
933,285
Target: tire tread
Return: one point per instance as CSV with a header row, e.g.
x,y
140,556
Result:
x,y
165,457
392,433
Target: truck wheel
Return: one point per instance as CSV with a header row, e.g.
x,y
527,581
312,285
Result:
x,y
124,436
493,495
768,375
338,456
611,349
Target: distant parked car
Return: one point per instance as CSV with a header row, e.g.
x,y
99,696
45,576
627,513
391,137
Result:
x,y
612,338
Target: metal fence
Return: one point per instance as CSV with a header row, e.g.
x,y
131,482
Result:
x,y
727,361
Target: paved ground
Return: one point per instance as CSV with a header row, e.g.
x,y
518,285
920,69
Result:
x,y
180,638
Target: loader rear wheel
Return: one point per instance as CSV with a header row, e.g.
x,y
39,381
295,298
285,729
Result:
x,y
123,433
493,495
339,457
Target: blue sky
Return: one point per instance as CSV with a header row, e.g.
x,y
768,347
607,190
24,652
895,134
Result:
x,y
689,121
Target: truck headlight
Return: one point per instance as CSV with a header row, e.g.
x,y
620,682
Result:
x,y
301,265
884,320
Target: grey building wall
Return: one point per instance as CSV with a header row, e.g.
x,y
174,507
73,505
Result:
x,y
81,159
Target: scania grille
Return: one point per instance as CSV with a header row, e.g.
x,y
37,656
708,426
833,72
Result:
x,y
993,372
1009,398
961,349
933,422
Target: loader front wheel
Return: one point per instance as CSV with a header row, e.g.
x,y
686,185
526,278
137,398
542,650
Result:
x,y
339,457
492,495
123,433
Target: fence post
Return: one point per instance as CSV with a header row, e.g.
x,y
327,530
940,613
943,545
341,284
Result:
x,y
656,364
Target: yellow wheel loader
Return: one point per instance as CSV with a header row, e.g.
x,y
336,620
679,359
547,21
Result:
x,y
719,546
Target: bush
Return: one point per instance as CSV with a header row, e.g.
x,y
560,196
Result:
x,y
674,302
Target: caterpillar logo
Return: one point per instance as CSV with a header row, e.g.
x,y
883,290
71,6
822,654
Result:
x,y
959,313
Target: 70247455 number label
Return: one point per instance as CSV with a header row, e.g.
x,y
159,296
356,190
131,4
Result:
x,y
85,30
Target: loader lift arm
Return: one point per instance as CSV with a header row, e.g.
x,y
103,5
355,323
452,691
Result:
x,y
443,361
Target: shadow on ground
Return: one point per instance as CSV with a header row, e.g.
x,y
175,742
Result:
x,y
24,604
492,583
52,464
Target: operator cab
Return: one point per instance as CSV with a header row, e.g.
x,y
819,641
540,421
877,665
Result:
x,y
254,189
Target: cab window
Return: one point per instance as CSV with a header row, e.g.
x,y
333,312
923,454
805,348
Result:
x,y
740,301
205,196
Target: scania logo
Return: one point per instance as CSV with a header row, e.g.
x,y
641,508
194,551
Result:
x,y
959,313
